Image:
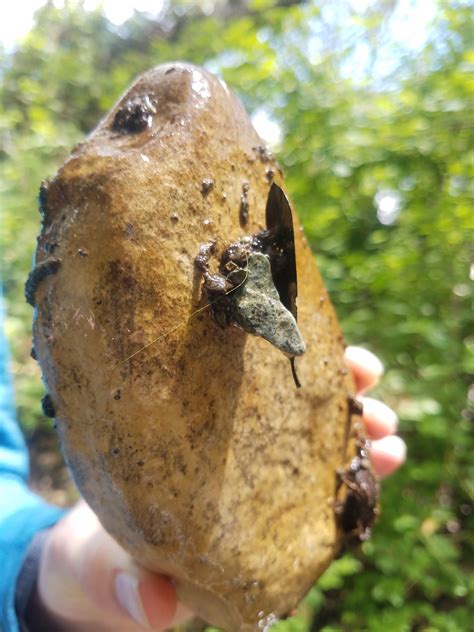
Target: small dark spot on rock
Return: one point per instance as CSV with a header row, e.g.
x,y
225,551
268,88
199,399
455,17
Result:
x,y
263,153
170,70
174,217
116,450
82,253
355,406
39,272
135,115
141,463
43,198
269,174
207,185
48,406
224,197
244,205
50,246
118,395
129,230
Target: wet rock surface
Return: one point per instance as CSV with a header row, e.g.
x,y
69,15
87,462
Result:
x,y
189,441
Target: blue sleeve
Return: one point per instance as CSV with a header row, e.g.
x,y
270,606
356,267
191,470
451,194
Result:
x,y
22,513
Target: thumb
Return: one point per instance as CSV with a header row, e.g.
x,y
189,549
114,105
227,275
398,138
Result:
x,y
87,578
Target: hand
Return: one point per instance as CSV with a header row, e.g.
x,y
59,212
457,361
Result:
x,y
388,451
89,583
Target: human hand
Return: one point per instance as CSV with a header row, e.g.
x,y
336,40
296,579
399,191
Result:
x,y
388,451
89,583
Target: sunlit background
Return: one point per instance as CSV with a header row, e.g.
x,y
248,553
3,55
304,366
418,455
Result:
x,y
368,106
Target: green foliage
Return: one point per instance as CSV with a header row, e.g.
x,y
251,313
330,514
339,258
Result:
x,y
352,142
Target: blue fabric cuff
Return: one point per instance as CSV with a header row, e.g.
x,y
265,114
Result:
x,y
16,533
13,453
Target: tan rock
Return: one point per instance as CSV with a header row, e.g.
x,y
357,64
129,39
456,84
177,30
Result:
x,y
199,454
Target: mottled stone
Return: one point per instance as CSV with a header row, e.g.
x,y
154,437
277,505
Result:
x,y
256,307
190,441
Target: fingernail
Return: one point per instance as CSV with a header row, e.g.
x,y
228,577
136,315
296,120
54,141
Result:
x,y
380,418
395,446
388,454
126,590
365,357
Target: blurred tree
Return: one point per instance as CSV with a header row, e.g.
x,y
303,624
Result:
x,y
378,154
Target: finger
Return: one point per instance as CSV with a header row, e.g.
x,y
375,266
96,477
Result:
x,y
388,454
135,595
164,611
378,418
366,368
158,598
89,579
149,599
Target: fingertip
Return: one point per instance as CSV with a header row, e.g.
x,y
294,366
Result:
x,y
388,454
379,419
365,366
128,593
158,597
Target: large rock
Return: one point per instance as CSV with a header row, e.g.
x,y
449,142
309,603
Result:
x,y
190,441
